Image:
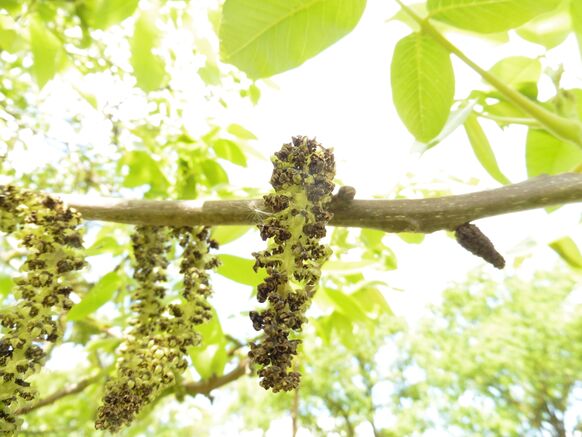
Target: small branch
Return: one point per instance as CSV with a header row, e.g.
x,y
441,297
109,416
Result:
x,y
204,387
401,215
59,394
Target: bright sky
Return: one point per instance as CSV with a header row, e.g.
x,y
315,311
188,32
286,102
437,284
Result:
x,y
343,98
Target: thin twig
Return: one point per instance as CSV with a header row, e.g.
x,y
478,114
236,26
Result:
x,y
401,215
59,394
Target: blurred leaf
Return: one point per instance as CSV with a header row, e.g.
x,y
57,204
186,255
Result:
x,y
411,237
456,119
372,237
549,30
483,150
12,6
486,16
215,174
371,300
97,296
101,14
210,357
210,73
106,244
241,132
240,270
226,234
271,36
229,150
10,39
576,17
148,69
186,182
6,285
254,93
48,54
143,169
423,85
519,72
346,305
545,154
568,250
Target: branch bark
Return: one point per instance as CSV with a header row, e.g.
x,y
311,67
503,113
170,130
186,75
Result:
x,y
401,215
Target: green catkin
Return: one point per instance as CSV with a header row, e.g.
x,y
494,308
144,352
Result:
x,y
303,182
155,350
49,232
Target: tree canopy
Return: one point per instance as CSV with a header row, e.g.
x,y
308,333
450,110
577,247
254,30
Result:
x,y
142,218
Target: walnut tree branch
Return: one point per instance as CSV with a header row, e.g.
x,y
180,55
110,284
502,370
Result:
x,y
401,215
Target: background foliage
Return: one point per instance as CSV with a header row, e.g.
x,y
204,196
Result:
x,y
135,99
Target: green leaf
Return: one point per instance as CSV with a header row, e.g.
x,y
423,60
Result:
x,y
371,300
215,174
482,149
101,14
266,37
548,30
346,266
545,154
209,359
210,73
240,270
486,16
229,150
12,6
411,237
568,250
520,73
148,69
48,54
10,39
346,305
143,169
456,119
372,237
238,131
97,296
106,244
226,234
6,284
423,85
576,17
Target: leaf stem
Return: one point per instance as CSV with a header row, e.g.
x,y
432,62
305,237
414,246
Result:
x,y
564,128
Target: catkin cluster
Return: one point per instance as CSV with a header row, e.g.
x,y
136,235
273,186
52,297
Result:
x,y
303,182
49,232
154,353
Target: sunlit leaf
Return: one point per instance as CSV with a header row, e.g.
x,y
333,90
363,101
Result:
x,y
519,72
423,85
549,29
229,150
143,169
6,284
48,53
263,38
149,69
226,234
569,251
97,296
101,14
241,132
239,270
411,237
215,174
545,154
576,17
482,149
488,16
371,300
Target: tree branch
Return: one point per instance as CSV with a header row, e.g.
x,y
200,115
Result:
x,y
59,394
401,215
205,386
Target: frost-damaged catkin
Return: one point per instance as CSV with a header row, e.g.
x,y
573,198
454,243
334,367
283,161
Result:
x,y
303,182
49,232
154,353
